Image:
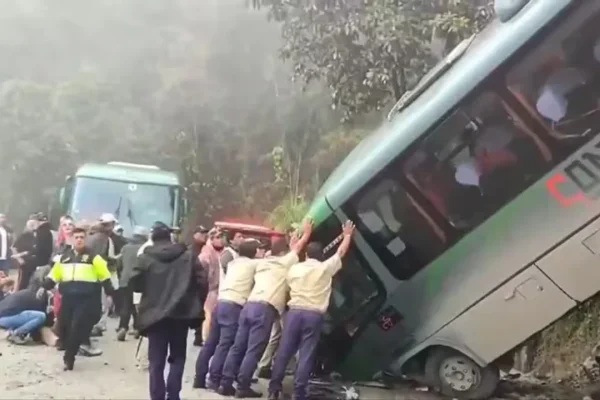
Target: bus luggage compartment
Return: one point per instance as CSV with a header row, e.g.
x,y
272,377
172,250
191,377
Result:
x,y
506,317
575,264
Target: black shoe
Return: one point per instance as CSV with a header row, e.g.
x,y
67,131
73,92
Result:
x,y
264,373
273,396
199,383
227,391
198,342
59,345
68,365
247,394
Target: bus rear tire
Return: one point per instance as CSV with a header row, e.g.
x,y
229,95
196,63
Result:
x,y
457,376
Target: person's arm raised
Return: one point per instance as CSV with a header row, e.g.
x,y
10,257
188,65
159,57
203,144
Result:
x,y
307,228
348,231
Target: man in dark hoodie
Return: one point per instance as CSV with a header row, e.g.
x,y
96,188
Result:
x,y
172,297
125,266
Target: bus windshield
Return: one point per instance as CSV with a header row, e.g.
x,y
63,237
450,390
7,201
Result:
x,y
131,203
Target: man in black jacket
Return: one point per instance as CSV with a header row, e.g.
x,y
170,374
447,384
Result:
x,y
171,304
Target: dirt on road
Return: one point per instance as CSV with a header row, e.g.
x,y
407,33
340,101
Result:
x,y
35,372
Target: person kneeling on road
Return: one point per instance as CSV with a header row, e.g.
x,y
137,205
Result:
x,y
79,273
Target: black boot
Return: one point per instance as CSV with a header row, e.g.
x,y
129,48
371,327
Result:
x,y
69,364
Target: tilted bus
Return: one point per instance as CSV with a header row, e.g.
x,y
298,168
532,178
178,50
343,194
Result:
x,y
475,205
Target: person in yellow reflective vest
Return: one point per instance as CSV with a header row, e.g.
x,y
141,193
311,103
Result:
x,y
81,275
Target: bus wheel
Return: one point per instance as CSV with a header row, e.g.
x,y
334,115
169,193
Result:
x,y
457,376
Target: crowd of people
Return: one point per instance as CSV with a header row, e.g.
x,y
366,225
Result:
x,y
254,306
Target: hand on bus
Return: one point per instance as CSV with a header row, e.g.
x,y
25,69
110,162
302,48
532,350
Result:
x,y
348,228
307,226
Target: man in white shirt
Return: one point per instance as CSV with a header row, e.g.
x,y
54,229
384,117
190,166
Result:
x,y
233,293
265,304
310,289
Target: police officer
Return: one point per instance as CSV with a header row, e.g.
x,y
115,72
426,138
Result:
x,y
265,304
79,273
310,289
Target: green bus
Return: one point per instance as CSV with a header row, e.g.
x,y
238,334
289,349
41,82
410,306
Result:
x,y
136,195
475,205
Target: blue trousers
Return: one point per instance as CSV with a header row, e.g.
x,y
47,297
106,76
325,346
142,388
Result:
x,y
23,323
221,336
167,338
301,333
256,322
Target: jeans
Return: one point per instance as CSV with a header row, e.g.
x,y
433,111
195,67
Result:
x,y
167,340
23,323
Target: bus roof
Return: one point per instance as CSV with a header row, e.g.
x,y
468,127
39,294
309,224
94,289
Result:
x,y
128,173
486,53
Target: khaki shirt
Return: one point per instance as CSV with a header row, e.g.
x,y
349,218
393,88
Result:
x,y
310,283
238,281
270,284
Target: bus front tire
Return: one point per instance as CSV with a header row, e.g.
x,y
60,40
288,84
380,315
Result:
x,y
457,376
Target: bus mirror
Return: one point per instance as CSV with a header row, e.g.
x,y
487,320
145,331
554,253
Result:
x,y
68,179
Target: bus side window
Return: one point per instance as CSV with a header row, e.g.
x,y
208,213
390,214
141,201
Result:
x,y
558,81
399,230
476,161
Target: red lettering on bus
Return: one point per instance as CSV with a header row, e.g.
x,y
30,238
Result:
x,y
552,186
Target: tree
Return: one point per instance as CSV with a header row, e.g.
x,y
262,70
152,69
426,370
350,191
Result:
x,y
369,52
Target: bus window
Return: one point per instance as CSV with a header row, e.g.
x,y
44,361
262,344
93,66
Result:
x,y
402,234
558,81
476,161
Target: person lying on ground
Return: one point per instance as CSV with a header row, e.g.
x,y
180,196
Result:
x,y
23,314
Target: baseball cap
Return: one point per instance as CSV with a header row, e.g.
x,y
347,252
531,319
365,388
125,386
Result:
x,y
107,218
40,217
